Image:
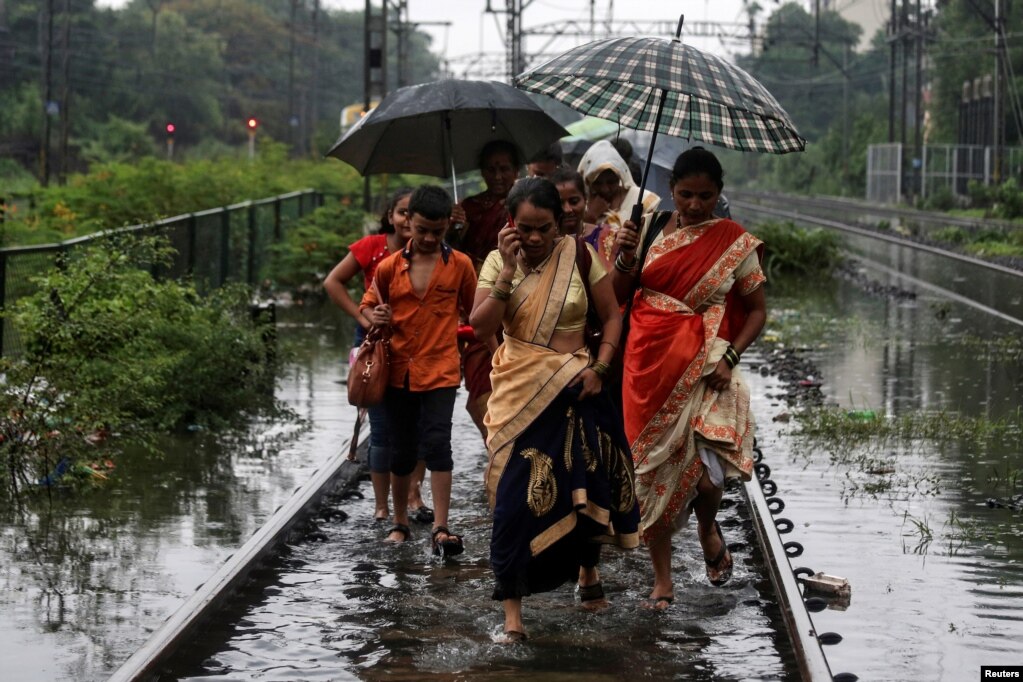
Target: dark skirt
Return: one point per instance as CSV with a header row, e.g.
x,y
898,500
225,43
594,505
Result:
x,y
568,487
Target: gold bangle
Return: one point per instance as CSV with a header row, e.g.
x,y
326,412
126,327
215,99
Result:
x,y
511,284
600,368
499,294
615,346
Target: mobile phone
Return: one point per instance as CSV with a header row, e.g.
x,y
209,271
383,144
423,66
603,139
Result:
x,y
511,220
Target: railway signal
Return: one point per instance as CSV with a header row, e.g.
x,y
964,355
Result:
x,y
170,140
252,124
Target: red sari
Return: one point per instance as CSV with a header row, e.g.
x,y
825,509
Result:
x,y
683,317
485,218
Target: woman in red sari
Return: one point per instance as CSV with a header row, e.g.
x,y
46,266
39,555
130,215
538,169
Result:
x,y
698,303
485,215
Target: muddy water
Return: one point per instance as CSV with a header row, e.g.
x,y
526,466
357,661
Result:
x,y
85,578
935,573
352,607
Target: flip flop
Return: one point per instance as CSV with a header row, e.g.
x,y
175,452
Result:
x,y
724,574
422,514
450,547
406,533
514,637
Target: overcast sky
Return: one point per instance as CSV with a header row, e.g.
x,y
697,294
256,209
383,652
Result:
x,y
473,30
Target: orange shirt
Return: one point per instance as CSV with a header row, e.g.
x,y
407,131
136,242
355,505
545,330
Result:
x,y
424,338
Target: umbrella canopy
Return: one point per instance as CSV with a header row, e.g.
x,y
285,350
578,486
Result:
x,y
706,97
441,127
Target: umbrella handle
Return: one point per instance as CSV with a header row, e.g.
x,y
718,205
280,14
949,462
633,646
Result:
x,y
637,214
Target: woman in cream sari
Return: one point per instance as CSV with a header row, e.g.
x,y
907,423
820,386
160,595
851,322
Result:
x,y
560,477
698,304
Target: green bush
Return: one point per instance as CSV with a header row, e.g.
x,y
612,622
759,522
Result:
x,y
942,199
792,249
952,235
110,350
116,194
314,245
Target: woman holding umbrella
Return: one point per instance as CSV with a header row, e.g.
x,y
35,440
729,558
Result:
x,y
560,475
698,303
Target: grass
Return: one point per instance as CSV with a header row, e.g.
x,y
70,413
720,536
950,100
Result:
x,y
831,425
797,250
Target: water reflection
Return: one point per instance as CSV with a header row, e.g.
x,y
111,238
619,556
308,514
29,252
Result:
x,y
87,576
934,571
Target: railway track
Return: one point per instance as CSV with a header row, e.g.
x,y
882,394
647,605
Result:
x,y
336,475
758,507
854,217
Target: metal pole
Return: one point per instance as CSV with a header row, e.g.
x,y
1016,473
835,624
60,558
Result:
x,y
65,92
998,118
252,244
44,153
225,245
893,42
292,128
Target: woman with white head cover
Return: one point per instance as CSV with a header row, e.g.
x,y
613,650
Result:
x,y
610,190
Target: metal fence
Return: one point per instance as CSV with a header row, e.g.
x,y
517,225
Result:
x,y
227,244
941,168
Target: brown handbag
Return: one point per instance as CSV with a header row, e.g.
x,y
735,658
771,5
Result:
x,y
369,374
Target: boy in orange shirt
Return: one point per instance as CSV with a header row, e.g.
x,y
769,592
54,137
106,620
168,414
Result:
x,y
419,292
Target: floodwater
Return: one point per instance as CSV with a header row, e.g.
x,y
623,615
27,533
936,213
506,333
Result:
x,y
86,579
935,572
352,607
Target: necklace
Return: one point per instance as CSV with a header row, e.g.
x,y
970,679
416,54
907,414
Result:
x,y
530,269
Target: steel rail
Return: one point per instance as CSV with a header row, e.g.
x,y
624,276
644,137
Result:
x,y
867,208
810,658
212,595
873,234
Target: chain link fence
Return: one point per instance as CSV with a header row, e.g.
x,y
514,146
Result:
x,y
227,244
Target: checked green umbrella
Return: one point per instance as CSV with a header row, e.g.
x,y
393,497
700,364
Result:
x,y
661,85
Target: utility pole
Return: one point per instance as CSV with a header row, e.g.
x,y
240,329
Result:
x,y
845,113
998,124
516,62
292,118
816,33
401,30
48,104
918,127
903,37
65,93
893,41
314,113
374,69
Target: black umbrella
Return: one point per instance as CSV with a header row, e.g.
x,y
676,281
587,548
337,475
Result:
x,y
440,128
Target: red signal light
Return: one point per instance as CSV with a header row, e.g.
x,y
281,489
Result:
x,y
170,128
252,124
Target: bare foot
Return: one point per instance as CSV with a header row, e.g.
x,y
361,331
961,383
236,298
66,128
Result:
x,y
661,603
